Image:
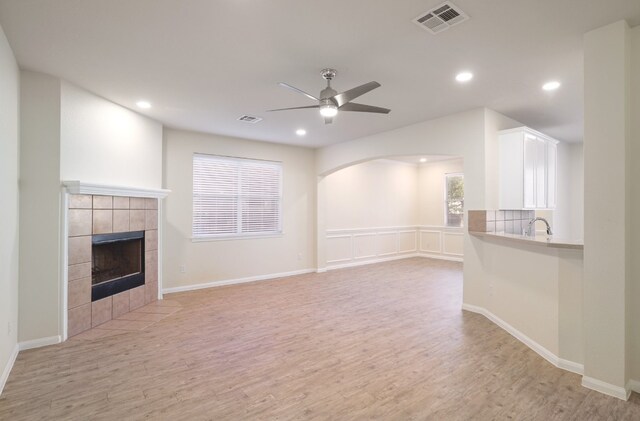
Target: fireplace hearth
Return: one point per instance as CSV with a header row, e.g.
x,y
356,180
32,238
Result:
x,y
117,263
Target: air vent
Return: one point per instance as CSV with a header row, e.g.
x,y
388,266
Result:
x,y
441,18
250,119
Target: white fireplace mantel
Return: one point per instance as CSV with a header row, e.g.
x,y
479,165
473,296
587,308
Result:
x,y
80,187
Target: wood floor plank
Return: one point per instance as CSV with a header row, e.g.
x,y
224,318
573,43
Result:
x,y
385,341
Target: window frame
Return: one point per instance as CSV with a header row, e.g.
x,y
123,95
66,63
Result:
x,y
238,235
446,199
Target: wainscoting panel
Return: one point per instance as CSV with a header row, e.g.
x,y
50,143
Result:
x,y
352,247
430,241
452,243
387,243
407,241
364,245
339,248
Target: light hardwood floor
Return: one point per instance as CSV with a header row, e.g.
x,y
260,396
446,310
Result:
x,y
385,341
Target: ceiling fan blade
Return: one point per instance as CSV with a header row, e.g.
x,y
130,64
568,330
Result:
x,y
354,93
300,91
328,120
294,108
352,106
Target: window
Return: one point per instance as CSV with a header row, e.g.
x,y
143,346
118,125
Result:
x,y
454,200
236,197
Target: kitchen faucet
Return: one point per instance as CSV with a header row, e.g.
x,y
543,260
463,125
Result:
x,y
532,223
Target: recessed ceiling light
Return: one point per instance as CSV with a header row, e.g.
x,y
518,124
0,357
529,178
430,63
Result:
x,y
464,76
551,86
143,104
301,132
423,159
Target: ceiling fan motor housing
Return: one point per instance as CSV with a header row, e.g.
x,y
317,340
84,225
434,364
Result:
x,y
328,74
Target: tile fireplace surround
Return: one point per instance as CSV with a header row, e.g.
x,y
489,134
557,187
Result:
x,y
99,214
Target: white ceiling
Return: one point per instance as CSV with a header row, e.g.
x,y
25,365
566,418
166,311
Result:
x,y
204,63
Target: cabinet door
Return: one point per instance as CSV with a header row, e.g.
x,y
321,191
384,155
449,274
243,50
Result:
x,y
529,187
541,173
511,157
552,170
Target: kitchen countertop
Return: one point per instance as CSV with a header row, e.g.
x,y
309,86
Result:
x,y
541,240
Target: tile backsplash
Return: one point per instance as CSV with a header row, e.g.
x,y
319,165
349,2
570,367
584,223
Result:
x,y
507,221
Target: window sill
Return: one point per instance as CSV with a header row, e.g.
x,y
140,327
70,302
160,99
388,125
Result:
x,y
235,237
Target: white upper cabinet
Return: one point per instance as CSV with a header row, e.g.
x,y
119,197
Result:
x,y
528,169
552,173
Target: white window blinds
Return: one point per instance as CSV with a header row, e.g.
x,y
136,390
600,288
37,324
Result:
x,y
235,196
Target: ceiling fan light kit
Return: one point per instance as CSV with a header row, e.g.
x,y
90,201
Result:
x,y
330,101
328,110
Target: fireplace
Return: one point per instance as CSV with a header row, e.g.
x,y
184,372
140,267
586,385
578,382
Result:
x,y
117,263
112,258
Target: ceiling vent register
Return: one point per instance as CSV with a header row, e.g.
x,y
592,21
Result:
x,y
249,119
441,18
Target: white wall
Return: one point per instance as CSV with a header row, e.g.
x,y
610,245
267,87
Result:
x,y
460,134
431,190
606,244
567,219
105,143
371,212
576,186
9,171
220,260
634,157
493,123
39,304
374,194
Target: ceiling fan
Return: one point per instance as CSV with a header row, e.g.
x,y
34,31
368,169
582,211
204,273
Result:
x,y
330,101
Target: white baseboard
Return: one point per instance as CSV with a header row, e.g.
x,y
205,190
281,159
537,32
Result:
x,y
8,366
441,257
214,284
634,386
40,342
321,270
536,347
607,388
371,261
571,366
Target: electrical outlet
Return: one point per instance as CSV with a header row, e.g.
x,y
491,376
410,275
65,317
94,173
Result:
x,y
182,269
299,256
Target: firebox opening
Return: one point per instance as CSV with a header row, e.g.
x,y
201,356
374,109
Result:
x,y
117,263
